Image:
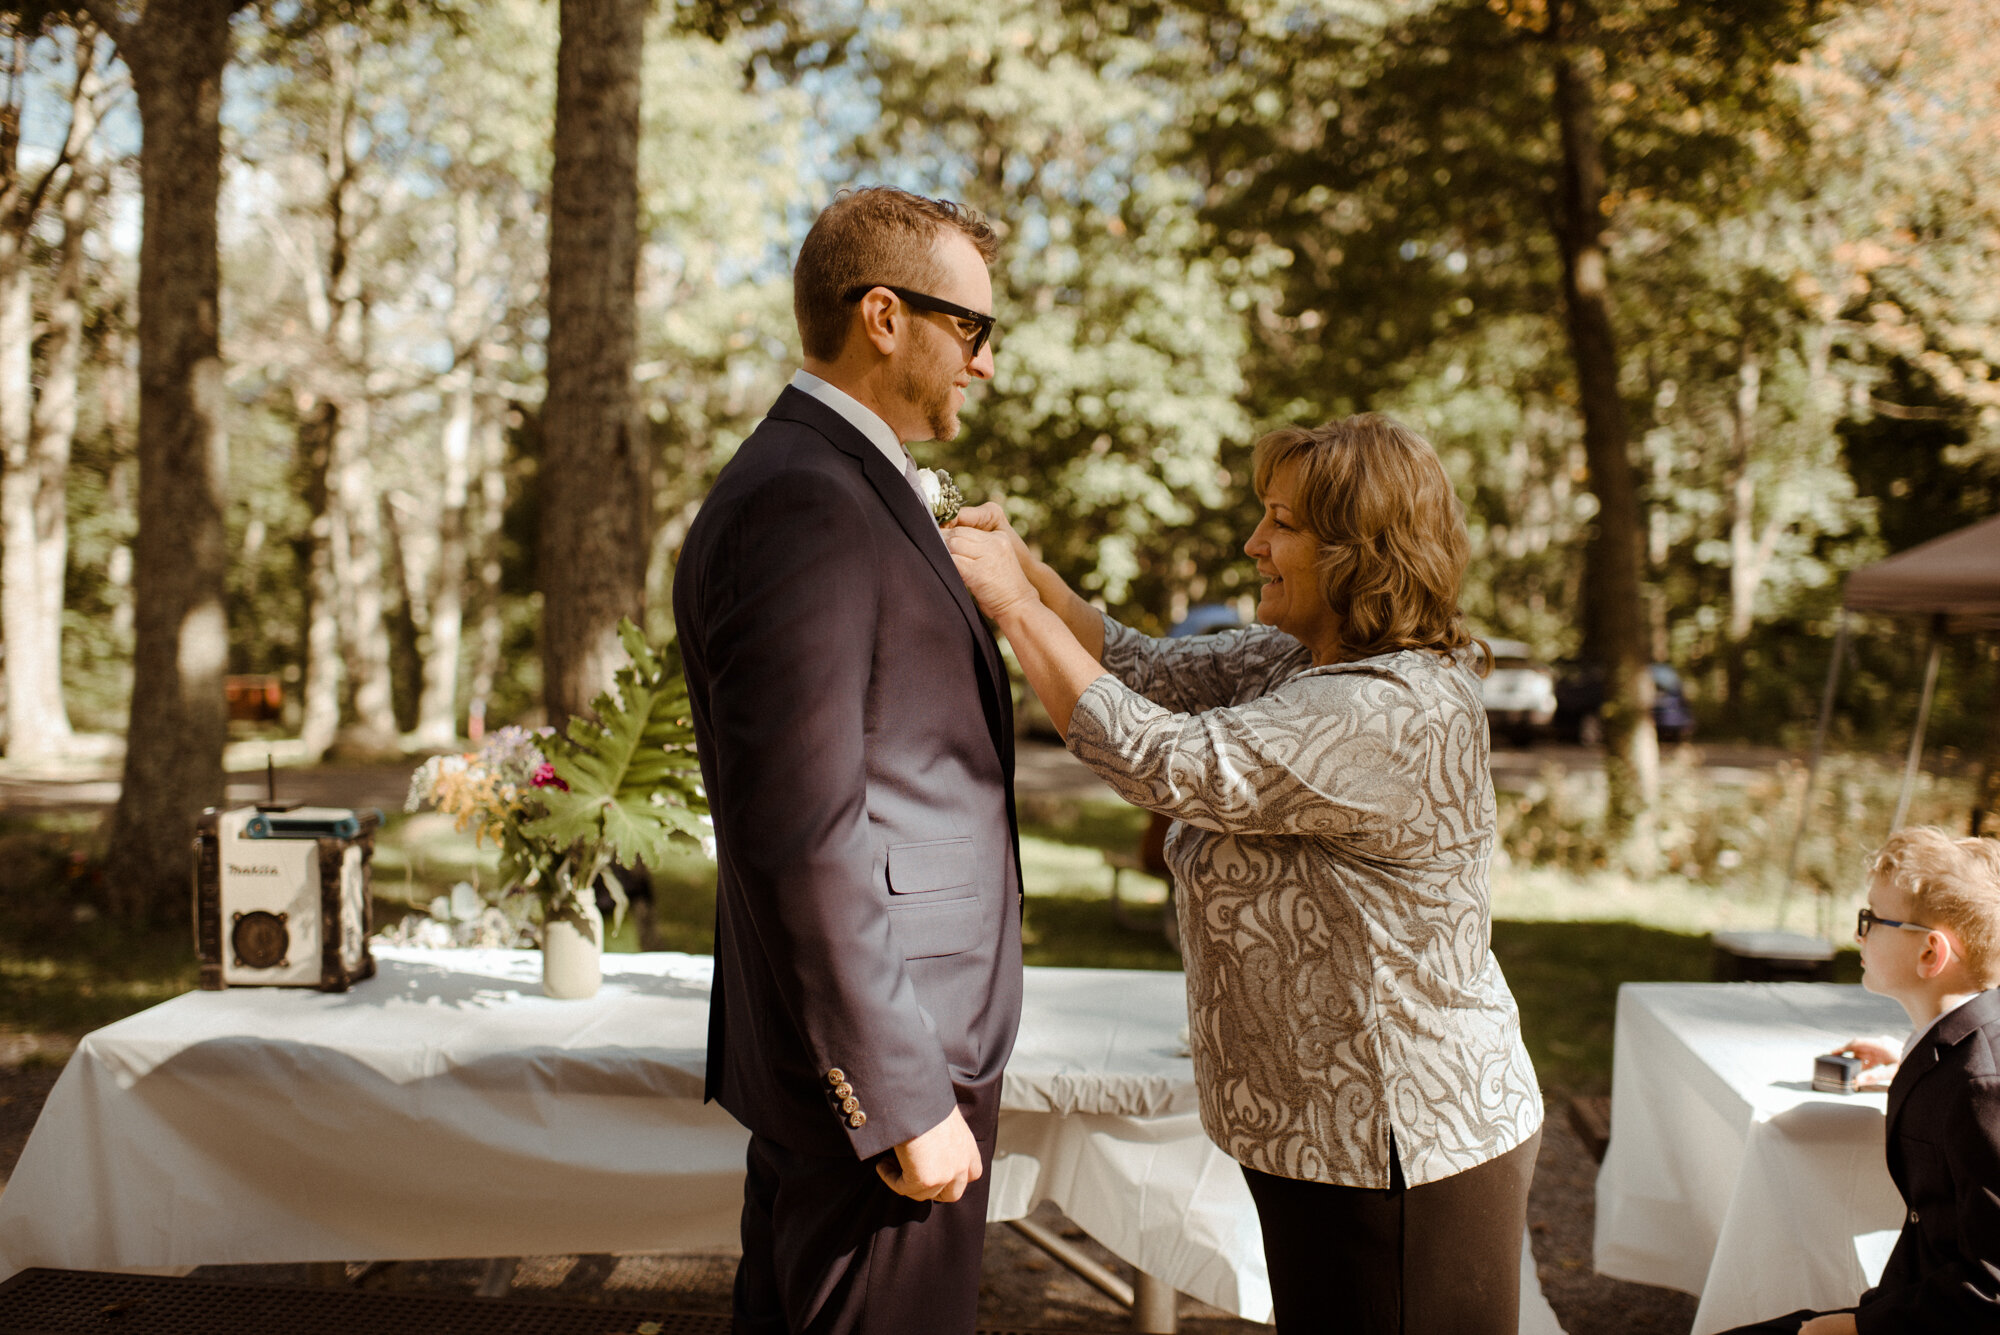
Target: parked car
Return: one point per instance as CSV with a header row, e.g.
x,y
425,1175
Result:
x,y
1519,693
1206,619
1580,697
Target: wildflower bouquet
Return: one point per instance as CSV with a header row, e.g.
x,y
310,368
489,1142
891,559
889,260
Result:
x,y
624,787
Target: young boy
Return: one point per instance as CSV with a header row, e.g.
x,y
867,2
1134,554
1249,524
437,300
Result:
x,y
1930,938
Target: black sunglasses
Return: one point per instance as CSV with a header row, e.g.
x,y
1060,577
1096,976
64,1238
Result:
x,y
1867,918
923,301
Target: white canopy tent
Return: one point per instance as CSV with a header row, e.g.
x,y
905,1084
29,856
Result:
x,y
1954,583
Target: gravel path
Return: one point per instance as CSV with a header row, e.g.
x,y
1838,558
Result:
x,y
1022,1286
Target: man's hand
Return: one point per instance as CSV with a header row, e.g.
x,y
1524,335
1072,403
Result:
x,y
938,1165
1833,1323
1879,1056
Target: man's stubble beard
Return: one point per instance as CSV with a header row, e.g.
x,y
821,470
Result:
x,y
931,397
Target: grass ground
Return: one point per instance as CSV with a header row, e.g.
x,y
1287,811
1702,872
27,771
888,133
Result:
x,y
1566,940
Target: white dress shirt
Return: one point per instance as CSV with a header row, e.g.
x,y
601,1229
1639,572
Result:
x,y
1910,1043
865,420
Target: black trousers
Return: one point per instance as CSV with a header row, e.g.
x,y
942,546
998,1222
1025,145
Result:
x,y
1783,1325
1440,1259
829,1250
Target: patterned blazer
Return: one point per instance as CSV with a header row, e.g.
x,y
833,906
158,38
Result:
x,y
1333,829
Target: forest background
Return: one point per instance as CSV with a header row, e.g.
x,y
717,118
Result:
x,y
1700,303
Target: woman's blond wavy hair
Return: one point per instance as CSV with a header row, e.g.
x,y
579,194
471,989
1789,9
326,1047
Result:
x,y
1393,544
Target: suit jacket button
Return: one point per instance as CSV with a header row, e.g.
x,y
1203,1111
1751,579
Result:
x,y
843,1090
835,1076
850,1105
1913,1216
857,1120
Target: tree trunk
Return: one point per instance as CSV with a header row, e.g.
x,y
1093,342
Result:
x,y
54,433
20,594
176,50
1615,632
35,441
437,707
358,570
596,491
490,449
324,674
1986,795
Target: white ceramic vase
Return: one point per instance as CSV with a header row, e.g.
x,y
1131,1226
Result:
x,y
572,954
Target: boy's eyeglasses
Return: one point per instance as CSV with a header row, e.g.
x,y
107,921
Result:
x,y
1867,918
982,325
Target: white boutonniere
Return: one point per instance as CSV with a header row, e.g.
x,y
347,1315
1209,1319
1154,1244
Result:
x,y
940,494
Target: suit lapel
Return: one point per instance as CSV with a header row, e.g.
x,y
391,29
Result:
x,y
1915,1067
1948,1032
921,528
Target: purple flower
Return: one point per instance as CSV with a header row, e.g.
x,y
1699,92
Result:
x,y
545,777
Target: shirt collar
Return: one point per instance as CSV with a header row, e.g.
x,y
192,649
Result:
x,y
859,416
1924,1032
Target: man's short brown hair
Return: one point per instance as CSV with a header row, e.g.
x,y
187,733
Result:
x,y
874,236
1391,531
1950,882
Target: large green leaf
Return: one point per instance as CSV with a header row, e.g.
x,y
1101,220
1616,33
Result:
x,y
635,789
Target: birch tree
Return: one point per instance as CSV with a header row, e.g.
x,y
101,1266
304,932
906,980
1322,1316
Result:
x,y
36,429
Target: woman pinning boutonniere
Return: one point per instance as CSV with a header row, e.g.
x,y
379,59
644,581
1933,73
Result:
x,y
1355,1045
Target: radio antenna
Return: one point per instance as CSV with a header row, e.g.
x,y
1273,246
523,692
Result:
x,y
271,778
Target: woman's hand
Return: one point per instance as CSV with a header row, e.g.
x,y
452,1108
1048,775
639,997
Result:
x,y
989,561
993,519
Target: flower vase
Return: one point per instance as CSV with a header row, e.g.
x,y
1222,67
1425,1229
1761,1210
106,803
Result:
x,y
572,953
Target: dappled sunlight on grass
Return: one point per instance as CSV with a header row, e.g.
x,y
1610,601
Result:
x,y
1565,978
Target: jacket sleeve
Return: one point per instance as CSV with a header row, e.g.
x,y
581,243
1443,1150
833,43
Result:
x,y
1335,756
1963,1295
789,634
1201,671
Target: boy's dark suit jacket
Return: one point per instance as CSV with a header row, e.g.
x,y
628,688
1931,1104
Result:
x,y
1944,1153
856,737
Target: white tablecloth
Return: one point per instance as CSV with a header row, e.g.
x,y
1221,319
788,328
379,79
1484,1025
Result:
x,y
445,1108
1727,1176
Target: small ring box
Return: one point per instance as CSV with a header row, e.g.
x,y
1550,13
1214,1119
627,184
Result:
x,y
1835,1073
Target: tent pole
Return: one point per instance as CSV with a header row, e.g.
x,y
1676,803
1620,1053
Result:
x,y
1812,767
1923,719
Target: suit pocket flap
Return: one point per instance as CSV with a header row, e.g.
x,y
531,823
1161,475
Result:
x,y
935,928
938,864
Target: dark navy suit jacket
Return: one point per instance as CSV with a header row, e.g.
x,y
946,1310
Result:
x,y
856,736
1944,1153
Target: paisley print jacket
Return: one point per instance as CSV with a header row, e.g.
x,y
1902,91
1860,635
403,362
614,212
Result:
x,y
1333,829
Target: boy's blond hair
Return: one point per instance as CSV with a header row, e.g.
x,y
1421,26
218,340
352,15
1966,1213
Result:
x,y
1952,883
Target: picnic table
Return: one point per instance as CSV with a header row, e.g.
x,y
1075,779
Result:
x,y
445,1108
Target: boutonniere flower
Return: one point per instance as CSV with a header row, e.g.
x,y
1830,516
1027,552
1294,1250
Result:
x,y
940,493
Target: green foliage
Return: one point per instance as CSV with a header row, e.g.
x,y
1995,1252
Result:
x,y
1736,835
1565,978
634,792
1217,216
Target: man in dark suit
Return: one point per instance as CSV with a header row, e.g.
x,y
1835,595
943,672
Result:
x,y
1930,938
855,730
